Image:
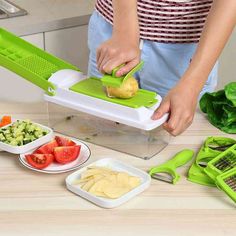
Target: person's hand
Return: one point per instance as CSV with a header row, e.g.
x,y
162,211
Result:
x,y
117,51
181,103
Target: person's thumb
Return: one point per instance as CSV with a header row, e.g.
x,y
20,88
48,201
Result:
x,y
160,111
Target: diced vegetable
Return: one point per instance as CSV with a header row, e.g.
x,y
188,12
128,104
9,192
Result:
x,y
6,120
21,133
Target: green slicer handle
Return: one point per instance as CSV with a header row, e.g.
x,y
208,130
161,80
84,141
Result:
x,y
115,70
170,166
114,81
181,158
29,61
130,73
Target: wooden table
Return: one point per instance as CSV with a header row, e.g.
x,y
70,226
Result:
x,y
38,204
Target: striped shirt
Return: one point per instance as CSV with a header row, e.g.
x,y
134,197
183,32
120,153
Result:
x,y
166,21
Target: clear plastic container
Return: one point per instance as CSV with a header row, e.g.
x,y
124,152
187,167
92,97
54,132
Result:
x,y
106,133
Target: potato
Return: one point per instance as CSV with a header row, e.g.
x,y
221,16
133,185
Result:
x,y
127,90
104,182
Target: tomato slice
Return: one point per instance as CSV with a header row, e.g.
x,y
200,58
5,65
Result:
x,y
62,141
67,154
47,148
39,161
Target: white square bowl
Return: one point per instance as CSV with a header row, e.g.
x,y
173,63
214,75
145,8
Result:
x,y
29,146
114,165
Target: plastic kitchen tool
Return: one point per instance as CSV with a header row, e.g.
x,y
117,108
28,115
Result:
x,y
167,171
222,163
93,87
211,148
32,145
227,183
66,86
114,81
30,62
114,165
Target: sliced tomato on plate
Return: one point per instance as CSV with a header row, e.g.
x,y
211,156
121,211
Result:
x,y
67,154
47,148
63,141
39,161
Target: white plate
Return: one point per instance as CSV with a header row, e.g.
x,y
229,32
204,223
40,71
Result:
x,y
56,168
27,147
114,165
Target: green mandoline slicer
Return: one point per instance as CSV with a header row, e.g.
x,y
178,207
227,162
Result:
x,y
114,81
222,163
65,85
227,183
30,62
167,171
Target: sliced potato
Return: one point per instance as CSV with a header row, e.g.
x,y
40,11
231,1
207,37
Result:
x,y
134,181
88,185
104,182
115,192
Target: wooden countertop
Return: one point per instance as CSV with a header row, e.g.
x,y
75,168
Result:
x,y
39,204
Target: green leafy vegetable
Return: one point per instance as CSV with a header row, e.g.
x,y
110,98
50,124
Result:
x,y
220,108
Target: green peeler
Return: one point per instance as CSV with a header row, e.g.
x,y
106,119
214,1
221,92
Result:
x,y
167,171
114,81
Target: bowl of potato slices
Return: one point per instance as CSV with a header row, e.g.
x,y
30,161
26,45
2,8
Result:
x,y
108,182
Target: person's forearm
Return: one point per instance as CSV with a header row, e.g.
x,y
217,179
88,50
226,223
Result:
x,y
126,19
218,27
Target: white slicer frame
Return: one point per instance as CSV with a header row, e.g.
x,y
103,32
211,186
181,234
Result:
x,y
136,117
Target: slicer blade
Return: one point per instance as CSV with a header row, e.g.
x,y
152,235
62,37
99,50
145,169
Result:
x,y
163,177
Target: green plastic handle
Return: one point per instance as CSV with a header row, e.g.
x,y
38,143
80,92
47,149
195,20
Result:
x,y
130,73
180,159
170,166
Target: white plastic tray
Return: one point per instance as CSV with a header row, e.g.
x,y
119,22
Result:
x,y
27,147
114,165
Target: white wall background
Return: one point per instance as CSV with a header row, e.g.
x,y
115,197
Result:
x,y
13,88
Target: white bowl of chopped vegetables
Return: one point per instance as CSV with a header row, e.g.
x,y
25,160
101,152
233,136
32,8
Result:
x,y
22,136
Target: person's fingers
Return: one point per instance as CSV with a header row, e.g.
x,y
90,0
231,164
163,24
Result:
x,y
175,118
102,60
112,63
179,121
128,67
160,111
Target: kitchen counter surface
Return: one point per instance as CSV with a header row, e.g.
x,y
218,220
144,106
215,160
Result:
x,y
48,15
38,204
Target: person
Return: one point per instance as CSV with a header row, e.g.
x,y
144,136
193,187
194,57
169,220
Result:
x,y
181,42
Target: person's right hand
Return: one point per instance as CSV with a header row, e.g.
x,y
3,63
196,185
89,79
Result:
x,y
117,51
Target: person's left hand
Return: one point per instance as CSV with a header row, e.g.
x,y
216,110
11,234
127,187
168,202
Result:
x,y
181,103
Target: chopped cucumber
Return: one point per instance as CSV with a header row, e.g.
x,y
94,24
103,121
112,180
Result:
x,y
21,133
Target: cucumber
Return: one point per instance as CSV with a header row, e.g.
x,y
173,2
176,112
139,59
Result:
x,y
21,133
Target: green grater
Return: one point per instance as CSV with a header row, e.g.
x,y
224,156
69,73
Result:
x,y
222,163
30,62
114,81
93,87
227,183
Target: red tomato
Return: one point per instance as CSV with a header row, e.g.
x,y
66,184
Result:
x,y
62,141
67,154
47,148
39,161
